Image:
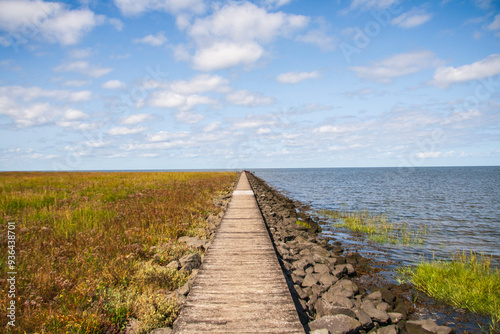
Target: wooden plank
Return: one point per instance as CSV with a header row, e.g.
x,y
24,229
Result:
x,y
240,287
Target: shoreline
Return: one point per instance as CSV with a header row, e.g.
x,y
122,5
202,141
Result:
x,y
321,275
367,275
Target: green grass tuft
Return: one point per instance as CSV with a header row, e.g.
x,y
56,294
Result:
x,y
468,281
378,227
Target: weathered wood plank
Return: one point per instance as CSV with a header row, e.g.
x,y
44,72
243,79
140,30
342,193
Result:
x,y
240,287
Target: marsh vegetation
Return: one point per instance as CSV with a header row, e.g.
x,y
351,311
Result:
x,y
91,248
468,281
377,227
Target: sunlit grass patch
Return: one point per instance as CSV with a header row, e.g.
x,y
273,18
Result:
x,y
151,308
303,223
469,281
91,248
378,227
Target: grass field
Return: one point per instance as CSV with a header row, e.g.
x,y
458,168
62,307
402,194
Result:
x,y
91,248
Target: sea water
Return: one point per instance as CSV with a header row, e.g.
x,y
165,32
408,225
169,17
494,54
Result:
x,y
460,206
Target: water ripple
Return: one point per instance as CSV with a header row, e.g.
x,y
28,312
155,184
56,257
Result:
x,y
461,205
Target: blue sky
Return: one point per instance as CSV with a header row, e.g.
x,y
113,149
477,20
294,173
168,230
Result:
x,y
169,84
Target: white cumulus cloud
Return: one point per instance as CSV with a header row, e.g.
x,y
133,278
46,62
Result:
x,y
75,83
50,21
495,25
295,77
83,67
226,54
188,117
200,84
276,3
28,106
169,99
136,118
185,94
369,4
397,65
137,7
166,136
34,92
74,114
113,84
154,40
235,33
121,130
248,99
411,19
446,76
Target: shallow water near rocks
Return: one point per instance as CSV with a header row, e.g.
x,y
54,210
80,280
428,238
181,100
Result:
x,y
460,205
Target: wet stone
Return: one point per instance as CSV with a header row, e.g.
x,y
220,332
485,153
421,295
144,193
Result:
x,y
383,306
363,318
376,315
416,326
395,317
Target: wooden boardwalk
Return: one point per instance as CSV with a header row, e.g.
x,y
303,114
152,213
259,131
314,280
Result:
x,y
240,287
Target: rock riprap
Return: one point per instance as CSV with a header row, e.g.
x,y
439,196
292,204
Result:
x,y
240,287
320,276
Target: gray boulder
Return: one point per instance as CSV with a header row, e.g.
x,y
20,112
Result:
x,y
300,292
376,315
327,280
336,324
339,300
395,317
426,326
346,267
320,331
324,308
174,265
363,318
348,285
190,262
321,268
184,290
309,280
300,272
194,242
383,306
339,270
301,264
388,330
297,279
344,288
387,295
375,297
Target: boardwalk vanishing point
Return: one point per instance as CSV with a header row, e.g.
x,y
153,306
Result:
x,y
240,287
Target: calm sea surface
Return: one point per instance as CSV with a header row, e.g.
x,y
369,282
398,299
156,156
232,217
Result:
x,y
461,205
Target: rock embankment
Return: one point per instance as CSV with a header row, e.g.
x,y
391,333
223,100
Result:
x,y
319,275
